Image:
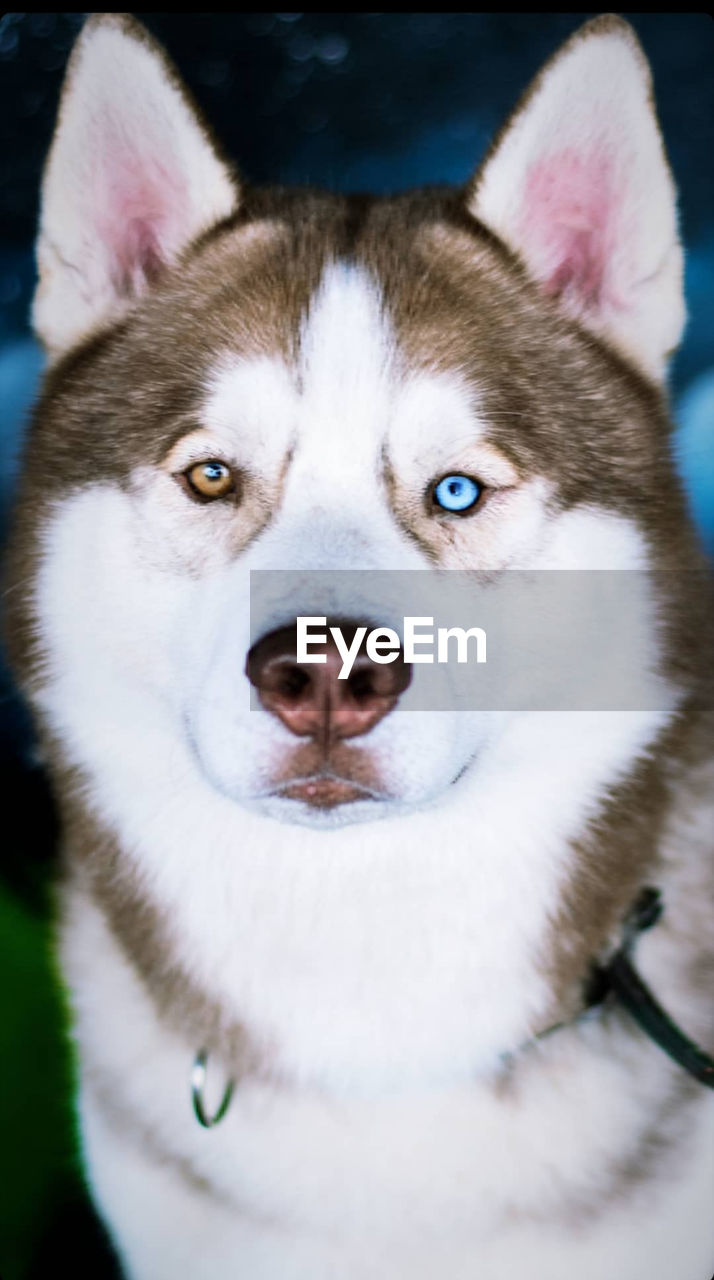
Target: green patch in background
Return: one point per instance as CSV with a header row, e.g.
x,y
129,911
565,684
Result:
x,y
46,1222
38,1163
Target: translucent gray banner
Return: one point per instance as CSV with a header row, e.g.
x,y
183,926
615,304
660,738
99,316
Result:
x,y
565,640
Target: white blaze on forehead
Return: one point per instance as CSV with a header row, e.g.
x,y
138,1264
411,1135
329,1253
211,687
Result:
x,y
347,372
335,511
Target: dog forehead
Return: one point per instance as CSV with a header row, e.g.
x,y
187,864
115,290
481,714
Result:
x,y
348,391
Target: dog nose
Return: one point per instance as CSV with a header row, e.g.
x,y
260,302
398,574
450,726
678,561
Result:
x,y
310,699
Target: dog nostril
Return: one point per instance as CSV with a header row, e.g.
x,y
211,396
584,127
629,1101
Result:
x,y
360,685
370,681
292,682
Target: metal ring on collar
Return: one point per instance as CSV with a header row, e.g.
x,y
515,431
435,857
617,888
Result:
x,y
198,1084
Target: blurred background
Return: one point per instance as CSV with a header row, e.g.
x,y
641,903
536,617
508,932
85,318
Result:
x,y
378,101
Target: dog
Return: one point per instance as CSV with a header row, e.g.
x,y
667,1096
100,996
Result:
x,y
329,957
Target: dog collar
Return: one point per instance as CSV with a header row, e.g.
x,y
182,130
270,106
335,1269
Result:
x,y
617,979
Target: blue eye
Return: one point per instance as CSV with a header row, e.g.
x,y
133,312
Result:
x,y
457,493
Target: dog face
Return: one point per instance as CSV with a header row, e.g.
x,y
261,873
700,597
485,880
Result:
x,y
251,380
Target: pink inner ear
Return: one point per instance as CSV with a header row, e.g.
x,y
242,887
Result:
x,y
570,224
141,206
138,258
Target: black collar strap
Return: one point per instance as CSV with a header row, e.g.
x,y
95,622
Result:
x,y
619,978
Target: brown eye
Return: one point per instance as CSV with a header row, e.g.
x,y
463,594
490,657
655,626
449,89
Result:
x,y
212,479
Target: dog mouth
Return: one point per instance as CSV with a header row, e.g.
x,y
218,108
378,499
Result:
x,y
343,774
325,791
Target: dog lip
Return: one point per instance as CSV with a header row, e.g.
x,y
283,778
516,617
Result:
x,y
324,791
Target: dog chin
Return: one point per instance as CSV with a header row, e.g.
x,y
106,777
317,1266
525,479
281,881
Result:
x,y
325,808
302,813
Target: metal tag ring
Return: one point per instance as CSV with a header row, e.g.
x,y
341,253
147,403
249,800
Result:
x,y
198,1084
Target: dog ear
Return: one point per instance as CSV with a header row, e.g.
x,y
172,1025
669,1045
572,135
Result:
x,y
577,183
131,179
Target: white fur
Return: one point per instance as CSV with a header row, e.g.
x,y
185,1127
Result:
x,y
593,103
431,1181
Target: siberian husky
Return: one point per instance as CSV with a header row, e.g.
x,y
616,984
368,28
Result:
x,y
355,924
